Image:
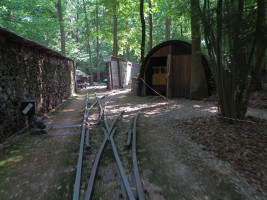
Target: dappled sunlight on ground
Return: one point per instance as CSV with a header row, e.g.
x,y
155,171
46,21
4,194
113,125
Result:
x,y
196,106
212,109
68,110
11,160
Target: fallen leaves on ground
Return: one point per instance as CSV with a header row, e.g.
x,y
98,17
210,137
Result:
x,y
258,99
243,145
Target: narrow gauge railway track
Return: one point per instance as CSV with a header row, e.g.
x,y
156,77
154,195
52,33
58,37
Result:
x,y
108,132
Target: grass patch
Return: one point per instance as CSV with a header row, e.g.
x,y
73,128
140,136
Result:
x,y
107,156
65,180
65,189
62,106
10,156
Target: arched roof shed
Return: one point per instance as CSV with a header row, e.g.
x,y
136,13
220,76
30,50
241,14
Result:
x,y
167,69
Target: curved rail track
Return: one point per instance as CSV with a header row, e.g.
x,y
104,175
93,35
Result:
x,y
108,137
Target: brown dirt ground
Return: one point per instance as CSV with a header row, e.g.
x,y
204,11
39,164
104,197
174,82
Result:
x,y
258,99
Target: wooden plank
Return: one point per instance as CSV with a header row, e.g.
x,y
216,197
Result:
x,y
165,51
181,75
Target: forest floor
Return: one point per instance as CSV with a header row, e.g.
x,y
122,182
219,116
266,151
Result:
x,y
184,152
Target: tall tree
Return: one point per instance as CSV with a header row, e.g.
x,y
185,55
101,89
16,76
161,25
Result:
x,y
236,49
97,45
115,31
77,21
143,22
88,42
198,86
62,31
150,25
168,22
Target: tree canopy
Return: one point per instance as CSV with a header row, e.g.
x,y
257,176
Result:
x,y
38,20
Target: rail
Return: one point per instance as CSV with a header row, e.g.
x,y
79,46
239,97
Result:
x,y
109,132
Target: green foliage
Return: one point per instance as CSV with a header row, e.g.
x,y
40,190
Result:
x,y
37,20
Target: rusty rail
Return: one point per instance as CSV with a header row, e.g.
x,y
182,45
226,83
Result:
x,y
135,165
109,132
79,164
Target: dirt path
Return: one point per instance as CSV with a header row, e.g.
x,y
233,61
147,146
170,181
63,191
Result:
x,y
43,167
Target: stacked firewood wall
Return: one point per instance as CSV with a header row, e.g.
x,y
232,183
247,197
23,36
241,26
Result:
x,y
29,74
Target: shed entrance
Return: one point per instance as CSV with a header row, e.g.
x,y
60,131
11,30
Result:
x,y
156,75
170,76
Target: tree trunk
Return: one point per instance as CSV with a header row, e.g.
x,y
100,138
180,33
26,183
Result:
x,y
143,22
97,46
226,98
127,45
97,65
88,43
198,86
10,16
128,52
168,22
260,46
77,21
168,28
62,32
150,26
115,32
257,85
90,65
115,37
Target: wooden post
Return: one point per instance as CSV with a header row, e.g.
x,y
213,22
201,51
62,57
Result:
x,y
168,78
119,72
